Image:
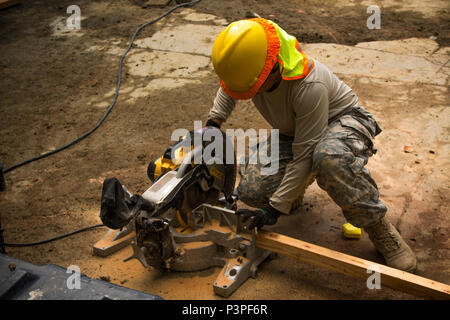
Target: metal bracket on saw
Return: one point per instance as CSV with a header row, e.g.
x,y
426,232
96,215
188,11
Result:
x,y
239,246
218,239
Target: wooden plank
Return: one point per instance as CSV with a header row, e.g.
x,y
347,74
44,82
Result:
x,y
108,245
8,3
352,266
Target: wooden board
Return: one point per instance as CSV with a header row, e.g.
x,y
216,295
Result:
x,y
8,3
108,245
352,266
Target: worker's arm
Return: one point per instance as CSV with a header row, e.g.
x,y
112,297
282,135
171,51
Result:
x,y
222,108
311,121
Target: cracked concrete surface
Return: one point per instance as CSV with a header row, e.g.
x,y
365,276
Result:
x,y
404,83
168,83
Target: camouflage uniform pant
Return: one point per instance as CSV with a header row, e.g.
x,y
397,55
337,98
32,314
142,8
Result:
x,y
339,161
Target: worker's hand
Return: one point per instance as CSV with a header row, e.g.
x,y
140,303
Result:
x,y
260,217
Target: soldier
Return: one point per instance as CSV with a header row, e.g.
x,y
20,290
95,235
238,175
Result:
x,y
324,133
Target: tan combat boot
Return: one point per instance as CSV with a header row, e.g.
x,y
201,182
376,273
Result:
x,y
390,244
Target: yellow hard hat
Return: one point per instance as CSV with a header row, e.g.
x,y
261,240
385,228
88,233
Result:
x,y
240,56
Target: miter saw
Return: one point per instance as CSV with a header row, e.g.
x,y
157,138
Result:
x,y
186,220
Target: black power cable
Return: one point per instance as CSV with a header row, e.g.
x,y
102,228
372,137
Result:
x,y
52,239
90,131
115,96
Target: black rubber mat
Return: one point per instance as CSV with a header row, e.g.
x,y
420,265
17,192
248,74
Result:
x,y
20,280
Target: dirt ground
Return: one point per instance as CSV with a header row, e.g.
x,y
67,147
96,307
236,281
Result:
x,y
56,84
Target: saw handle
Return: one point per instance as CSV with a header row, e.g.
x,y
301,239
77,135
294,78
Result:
x,y
186,165
118,207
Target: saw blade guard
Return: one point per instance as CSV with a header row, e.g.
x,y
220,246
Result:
x,y
191,178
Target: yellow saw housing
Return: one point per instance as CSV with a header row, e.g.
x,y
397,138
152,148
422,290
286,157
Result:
x,y
209,181
165,163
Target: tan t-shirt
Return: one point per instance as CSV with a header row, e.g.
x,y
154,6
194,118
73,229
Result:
x,y
299,108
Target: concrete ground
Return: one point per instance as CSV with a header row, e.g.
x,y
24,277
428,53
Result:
x,y
168,83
